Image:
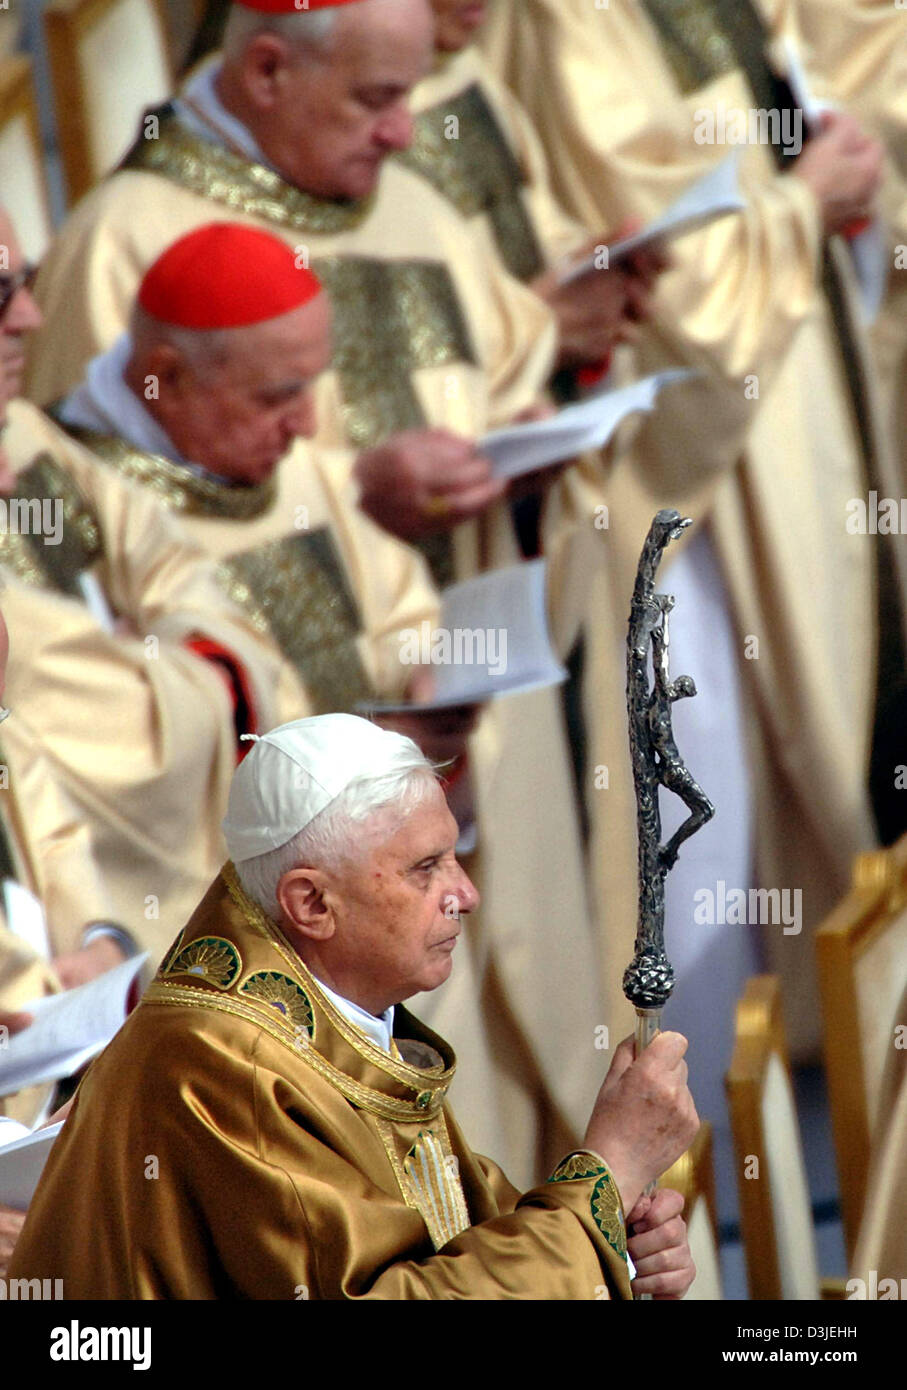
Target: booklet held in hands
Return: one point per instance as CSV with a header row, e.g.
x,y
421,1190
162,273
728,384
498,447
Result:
x,y
69,1029
714,195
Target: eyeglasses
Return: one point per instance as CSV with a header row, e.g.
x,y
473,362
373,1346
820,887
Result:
x,y
10,285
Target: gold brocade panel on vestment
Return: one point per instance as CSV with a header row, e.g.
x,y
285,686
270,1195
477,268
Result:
x,y
477,170
26,552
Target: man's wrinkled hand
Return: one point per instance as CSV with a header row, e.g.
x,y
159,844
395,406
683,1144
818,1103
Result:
x,y
441,734
422,482
15,1022
79,967
658,1246
644,1117
843,167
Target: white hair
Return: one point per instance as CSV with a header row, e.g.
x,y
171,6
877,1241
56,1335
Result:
x,y
303,29
338,834
203,349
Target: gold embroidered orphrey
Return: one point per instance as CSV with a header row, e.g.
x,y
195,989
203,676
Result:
x,y
25,550
478,171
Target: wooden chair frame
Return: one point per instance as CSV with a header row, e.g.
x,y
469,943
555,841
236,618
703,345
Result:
x,y
65,23
759,1034
17,97
878,895
693,1176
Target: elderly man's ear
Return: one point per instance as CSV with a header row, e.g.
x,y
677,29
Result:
x,y
305,903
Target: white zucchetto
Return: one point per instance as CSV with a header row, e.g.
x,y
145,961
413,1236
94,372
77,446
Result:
x,y
295,772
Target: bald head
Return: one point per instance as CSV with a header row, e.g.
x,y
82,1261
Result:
x,y
324,93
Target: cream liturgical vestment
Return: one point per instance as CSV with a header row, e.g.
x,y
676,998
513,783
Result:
x,y
139,732
427,331
764,446
855,55
334,590
46,848
279,1153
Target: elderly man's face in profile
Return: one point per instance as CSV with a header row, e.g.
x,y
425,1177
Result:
x,y
396,909
21,317
341,118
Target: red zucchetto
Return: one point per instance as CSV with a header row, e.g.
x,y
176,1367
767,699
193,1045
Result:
x,y
225,275
290,6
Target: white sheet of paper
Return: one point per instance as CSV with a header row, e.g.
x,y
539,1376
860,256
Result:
x,y
21,1165
505,613
69,1029
520,449
716,194
869,250
11,1130
25,917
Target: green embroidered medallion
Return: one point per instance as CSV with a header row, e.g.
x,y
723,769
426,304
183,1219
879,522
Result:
x,y
211,958
608,1214
478,172
283,994
576,1167
171,955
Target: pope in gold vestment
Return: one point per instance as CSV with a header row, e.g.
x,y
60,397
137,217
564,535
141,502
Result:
x,y
765,446
280,1154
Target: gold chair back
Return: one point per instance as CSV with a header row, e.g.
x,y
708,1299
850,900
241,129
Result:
x,y
22,174
693,1176
775,1207
110,61
862,960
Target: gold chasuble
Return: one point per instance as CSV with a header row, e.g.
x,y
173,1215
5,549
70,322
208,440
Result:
x,y
293,1158
765,448
46,847
136,732
333,590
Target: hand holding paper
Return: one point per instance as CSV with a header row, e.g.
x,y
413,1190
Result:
x,y
69,1029
22,1162
492,639
522,449
714,195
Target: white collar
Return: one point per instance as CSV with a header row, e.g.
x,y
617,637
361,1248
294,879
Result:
x,y
378,1030
218,121
106,404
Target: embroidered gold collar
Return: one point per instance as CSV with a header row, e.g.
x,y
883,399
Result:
x,y
226,177
233,959
178,488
